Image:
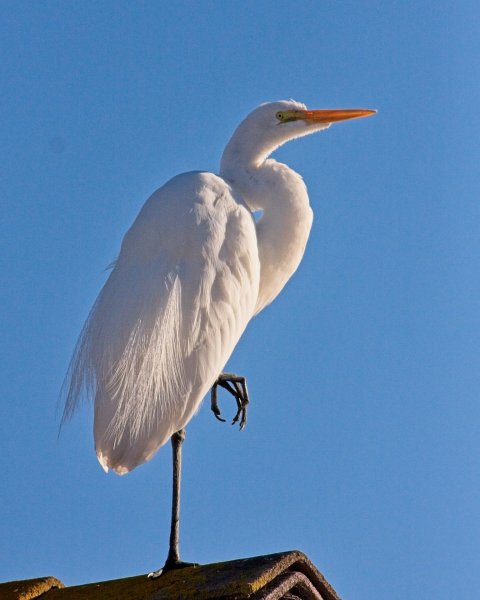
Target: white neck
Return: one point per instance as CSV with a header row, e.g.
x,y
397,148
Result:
x,y
283,229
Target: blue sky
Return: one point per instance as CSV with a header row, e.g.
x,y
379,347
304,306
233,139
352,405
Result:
x,y
362,447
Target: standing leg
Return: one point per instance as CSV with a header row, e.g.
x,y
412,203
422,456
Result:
x,y
173,559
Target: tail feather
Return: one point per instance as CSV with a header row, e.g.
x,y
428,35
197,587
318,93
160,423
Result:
x,y
130,362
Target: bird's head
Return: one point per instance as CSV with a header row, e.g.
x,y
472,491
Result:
x,y
274,123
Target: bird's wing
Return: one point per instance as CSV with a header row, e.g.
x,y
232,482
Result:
x,y
180,295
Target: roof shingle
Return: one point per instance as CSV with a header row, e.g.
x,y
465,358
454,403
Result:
x,y
285,575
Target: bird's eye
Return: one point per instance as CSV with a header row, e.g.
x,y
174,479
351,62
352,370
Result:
x,y
284,116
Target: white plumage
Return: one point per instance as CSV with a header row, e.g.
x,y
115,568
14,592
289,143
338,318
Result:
x,y
192,271
170,314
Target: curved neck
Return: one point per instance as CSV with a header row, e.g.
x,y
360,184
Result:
x,y
246,151
284,227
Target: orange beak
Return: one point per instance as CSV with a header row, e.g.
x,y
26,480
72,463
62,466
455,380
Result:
x,y
333,115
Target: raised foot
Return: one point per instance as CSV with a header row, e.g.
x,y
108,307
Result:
x,y
171,566
237,386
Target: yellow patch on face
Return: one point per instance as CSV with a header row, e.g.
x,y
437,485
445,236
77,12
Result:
x,y
284,116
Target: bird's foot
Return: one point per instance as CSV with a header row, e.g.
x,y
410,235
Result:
x,y
171,565
237,386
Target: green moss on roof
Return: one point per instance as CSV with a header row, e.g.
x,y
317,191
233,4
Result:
x,y
28,588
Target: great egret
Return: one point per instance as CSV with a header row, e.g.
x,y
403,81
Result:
x,y
193,269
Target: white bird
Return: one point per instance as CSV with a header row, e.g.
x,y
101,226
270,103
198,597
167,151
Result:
x,y
193,269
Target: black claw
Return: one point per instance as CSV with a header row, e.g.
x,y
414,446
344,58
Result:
x,y
237,387
243,420
177,564
171,566
215,409
236,418
214,403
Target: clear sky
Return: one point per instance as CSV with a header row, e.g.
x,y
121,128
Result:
x,y
362,447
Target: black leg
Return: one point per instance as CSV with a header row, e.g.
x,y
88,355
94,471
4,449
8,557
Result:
x,y
173,559
237,386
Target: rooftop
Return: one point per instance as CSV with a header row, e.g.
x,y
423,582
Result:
x,y
287,575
